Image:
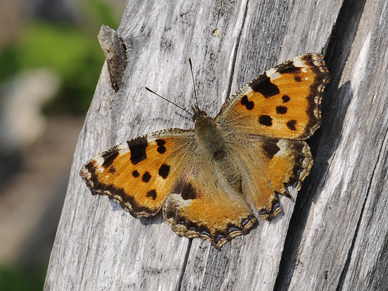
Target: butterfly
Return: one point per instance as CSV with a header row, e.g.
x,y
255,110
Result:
x,y
212,182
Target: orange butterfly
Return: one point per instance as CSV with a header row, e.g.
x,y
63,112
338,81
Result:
x,y
210,181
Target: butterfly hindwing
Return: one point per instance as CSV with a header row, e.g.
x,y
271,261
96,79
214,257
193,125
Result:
x,y
140,173
272,165
284,102
203,205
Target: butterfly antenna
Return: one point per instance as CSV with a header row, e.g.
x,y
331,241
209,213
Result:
x,y
165,99
192,78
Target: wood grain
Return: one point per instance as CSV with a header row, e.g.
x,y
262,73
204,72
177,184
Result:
x,y
333,237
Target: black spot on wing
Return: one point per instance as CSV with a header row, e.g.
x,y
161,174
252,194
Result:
x,y
152,194
135,174
248,104
270,149
161,148
288,68
138,148
188,192
164,170
297,79
281,109
286,98
264,86
146,177
308,59
109,157
291,124
265,120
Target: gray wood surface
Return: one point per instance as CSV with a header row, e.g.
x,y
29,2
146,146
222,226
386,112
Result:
x,y
332,237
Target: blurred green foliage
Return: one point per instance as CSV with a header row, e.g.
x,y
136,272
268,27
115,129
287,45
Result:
x,y
71,50
15,279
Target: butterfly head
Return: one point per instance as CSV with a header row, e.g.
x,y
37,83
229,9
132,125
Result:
x,y
198,114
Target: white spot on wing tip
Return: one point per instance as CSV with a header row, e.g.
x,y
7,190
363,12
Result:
x,y
270,72
298,62
275,76
99,160
123,150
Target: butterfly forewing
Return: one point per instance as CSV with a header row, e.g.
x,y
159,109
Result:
x,y
284,102
140,173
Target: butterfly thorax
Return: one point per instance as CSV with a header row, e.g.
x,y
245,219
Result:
x,y
214,150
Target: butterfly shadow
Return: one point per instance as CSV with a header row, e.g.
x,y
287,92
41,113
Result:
x,y
157,219
323,145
